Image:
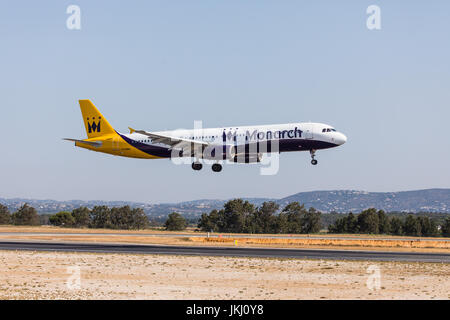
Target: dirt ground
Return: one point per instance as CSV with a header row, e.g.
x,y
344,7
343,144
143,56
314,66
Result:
x,y
46,275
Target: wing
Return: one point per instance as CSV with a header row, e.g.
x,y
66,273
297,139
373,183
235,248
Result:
x,y
173,142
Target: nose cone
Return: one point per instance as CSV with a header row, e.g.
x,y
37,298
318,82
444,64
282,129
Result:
x,y
340,138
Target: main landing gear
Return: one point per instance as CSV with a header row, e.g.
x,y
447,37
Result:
x,y
313,154
216,167
197,166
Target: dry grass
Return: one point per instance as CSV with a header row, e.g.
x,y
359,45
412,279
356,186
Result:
x,y
53,229
436,244
191,231
100,239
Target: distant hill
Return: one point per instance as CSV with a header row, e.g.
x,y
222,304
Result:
x,y
430,200
341,201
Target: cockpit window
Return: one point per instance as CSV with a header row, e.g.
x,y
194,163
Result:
x,y
328,130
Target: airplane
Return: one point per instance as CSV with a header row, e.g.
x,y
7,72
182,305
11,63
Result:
x,y
242,144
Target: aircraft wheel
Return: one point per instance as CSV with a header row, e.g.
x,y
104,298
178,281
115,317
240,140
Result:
x,y
197,166
313,162
216,167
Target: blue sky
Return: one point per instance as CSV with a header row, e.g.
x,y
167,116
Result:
x,y
159,65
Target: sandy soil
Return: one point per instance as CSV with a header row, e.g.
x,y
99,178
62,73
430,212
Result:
x,y
45,275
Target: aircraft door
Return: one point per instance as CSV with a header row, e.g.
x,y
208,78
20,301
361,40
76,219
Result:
x,y
308,131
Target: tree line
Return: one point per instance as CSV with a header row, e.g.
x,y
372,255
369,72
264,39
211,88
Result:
x,y
102,217
24,216
99,217
372,221
239,216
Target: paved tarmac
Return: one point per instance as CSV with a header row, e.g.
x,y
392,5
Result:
x,y
225,251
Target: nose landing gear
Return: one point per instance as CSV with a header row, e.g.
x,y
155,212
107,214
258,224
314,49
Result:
x,y
313,154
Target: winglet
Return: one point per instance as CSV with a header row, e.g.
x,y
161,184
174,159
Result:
x,y
131,130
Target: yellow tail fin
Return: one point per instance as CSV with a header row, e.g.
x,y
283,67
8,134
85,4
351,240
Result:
x,y
96,125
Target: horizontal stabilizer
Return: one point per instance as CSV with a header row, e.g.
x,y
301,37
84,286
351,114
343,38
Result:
x,y
90,143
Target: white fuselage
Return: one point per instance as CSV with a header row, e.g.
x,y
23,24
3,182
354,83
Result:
x,y
291,136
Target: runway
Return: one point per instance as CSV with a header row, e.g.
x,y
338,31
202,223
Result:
x,y
225,251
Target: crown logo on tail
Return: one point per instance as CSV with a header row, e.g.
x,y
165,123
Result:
x,y
93,127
